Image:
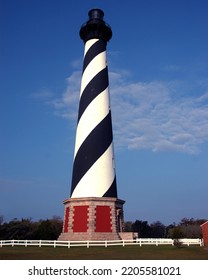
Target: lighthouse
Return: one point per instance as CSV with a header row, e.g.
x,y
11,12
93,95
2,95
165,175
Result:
x,y
93,210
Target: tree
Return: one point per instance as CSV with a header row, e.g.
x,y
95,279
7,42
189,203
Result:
x,y
17,229
158,230
28,229
176,232
142,228
49,229
192,231
191,227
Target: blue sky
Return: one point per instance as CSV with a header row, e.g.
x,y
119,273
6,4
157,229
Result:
x,y
158,68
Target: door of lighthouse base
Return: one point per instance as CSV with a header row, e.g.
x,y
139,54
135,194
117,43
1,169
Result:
x,y
92,218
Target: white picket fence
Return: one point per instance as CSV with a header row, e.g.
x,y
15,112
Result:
x,y
106,243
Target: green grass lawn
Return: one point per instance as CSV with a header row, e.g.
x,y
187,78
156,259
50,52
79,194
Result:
x,y
102,253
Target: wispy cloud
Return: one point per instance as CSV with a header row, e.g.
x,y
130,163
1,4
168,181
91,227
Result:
x,y
43,94
67,105
151,116
154,115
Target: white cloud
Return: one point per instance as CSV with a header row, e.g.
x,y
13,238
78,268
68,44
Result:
x,y
42,94
67,105
150,115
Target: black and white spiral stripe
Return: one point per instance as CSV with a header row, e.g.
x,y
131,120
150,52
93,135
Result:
x,y
93,167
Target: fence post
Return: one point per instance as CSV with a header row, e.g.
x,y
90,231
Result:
x,y
106,243
25,243
88,243
140,242
13,243
1,243
39,243
68,244
156,242
123,243
54,245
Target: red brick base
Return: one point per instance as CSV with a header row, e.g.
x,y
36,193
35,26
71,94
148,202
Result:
x,y
92,218
204,227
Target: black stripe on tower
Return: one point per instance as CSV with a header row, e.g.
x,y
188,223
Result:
x,y
94,50
112,191
91,149
98,84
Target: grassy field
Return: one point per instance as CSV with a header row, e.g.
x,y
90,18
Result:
x,y
110,253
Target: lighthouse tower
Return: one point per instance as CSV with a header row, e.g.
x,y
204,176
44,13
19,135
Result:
x,y
93,211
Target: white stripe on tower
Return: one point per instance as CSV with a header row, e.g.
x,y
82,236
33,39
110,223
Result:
x,y
88,121
93,168
96,64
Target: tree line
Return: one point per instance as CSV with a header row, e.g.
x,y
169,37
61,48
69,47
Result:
x,y
50,229
186,228
27,229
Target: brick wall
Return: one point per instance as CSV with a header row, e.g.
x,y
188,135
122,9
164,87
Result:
x,y
204,227
66,220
